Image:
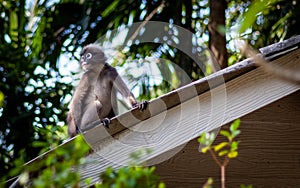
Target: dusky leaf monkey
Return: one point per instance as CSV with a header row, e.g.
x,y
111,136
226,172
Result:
x,y
95,96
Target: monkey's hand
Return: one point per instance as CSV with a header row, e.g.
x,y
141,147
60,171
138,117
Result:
x,y
142,106
105,122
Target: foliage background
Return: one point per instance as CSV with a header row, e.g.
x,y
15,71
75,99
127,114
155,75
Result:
x,y
35,34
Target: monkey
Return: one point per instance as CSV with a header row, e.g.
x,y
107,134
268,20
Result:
x,y
95,96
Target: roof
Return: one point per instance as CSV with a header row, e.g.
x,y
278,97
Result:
x,y
183,114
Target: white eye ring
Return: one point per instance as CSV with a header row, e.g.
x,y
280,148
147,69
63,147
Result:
x,y
88,56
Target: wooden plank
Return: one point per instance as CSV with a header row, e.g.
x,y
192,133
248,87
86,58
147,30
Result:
x,y
178,125
279,49
269,152
176,97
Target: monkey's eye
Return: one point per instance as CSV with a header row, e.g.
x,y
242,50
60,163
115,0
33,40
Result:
x,y
88,56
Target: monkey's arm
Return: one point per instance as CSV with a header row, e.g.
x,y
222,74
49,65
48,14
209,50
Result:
x,y
120,85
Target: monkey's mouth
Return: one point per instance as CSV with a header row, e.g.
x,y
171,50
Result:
x,y
83,63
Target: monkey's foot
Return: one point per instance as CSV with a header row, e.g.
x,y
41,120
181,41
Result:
x,y
143,105
105,122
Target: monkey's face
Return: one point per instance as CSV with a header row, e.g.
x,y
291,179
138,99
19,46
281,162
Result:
x,y
86,61
92,58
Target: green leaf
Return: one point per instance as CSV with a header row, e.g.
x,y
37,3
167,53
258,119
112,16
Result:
x,y
13,21
222,153
204,150
1,98
110,8
220,146
204,139
38,144
254,10
234,145
235,125
210,180
235,133
201,139
246,186
232,154
225,133
161,185
208,183
251,14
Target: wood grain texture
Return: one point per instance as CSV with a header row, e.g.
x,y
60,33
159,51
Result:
x,y
170,129
269,152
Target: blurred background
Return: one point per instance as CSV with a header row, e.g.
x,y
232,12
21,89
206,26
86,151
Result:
x,y
40,41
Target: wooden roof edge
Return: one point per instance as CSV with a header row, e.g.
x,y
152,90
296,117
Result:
x,y
281,48
184,93
272,52
201,86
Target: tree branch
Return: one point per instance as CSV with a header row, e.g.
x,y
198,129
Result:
x,y
215,157
259,60
147,19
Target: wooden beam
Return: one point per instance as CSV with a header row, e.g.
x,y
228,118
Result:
x,y
279,49
178,125
178,96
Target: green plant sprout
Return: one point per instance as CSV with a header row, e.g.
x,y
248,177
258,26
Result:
x,y
226,150
208,183
130,177
57,168
133,176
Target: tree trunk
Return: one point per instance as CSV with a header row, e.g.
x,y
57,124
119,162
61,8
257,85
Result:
x,y
217,39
